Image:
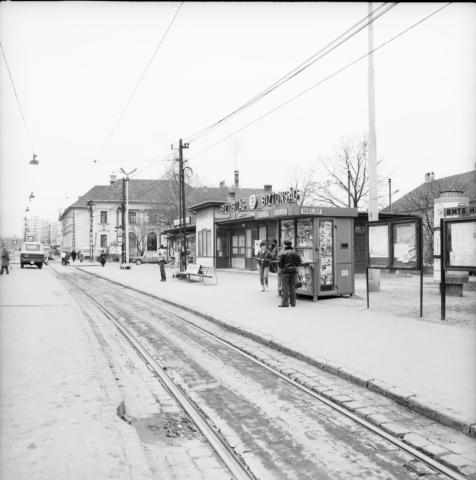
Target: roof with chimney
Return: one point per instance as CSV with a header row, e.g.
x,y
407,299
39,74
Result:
x,y
156,192
463,182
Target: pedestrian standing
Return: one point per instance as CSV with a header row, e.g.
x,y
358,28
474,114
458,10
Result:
x,y
288,261
80,256
73,255
102,258
274,256
5,260
63,257
162,262
264,261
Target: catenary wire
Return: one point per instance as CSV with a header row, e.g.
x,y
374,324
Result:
x,y
327,49
269,112
349,33
119,118
18,100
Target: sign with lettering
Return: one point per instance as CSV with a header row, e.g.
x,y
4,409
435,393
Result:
x,y
281,211
460,211
263,200
311,211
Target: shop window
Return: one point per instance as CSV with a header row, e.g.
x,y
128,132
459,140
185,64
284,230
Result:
x,y
103,217
103,241
238,244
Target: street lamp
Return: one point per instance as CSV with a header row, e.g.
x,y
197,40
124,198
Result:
x,y
31,197
390,194
34,160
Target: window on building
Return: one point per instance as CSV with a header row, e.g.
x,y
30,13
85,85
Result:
x,y
237,244
132,218
103,240
152,218
103,218
204,243
151,242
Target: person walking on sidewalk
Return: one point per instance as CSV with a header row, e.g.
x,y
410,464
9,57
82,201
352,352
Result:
x,y
288,261
102,258
5,260
73,255
81,256
264,261
162,262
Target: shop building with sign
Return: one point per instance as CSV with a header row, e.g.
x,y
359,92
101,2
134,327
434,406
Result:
x,y
228,236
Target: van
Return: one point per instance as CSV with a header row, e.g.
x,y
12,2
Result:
x,y
32,253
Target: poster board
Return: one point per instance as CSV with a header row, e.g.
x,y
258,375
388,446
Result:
x,y
395,244
460,244
378,251
405,246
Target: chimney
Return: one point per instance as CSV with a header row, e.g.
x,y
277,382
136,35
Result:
x,y
231,196
237,179
268,188
112,178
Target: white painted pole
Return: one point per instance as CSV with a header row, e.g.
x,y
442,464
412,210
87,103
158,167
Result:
x,y
126,221
374,274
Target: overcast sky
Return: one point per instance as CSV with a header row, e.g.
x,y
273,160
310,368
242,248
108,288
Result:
x,y
75,65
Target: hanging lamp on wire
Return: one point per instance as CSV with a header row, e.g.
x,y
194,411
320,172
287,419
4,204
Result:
x,y
27,209
31,197
34,160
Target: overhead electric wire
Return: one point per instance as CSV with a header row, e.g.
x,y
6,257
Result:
x,y
322,81
327,49
116,123
18,100
295,71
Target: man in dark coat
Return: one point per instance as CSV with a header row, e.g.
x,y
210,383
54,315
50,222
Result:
x,y
288,261
102,258
73,255
5,260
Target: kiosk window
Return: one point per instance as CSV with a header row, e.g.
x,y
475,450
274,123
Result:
x,y
287,231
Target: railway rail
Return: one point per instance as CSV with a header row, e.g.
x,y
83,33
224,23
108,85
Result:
x,y
141,334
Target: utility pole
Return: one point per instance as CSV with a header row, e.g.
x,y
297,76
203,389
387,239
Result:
x,y
26,229
74,233
183,230
126,213
390,195
348,188
374,274
91,229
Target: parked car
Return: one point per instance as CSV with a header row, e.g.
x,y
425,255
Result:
x,y
148,257
32,253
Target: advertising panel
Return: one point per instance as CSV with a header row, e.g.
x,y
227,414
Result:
x,y
460,244
405,246
378,246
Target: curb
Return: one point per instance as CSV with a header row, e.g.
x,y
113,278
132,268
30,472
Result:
x,y
399,395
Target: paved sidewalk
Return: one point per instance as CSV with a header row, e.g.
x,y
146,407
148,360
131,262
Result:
x,y
58,399
429,367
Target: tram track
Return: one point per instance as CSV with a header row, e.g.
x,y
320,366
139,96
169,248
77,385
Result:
x,y
121,315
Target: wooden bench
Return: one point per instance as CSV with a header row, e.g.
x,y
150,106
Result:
x,y
207,275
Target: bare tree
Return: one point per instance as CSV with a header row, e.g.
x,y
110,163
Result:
x,y
350,161
304,180
421,201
